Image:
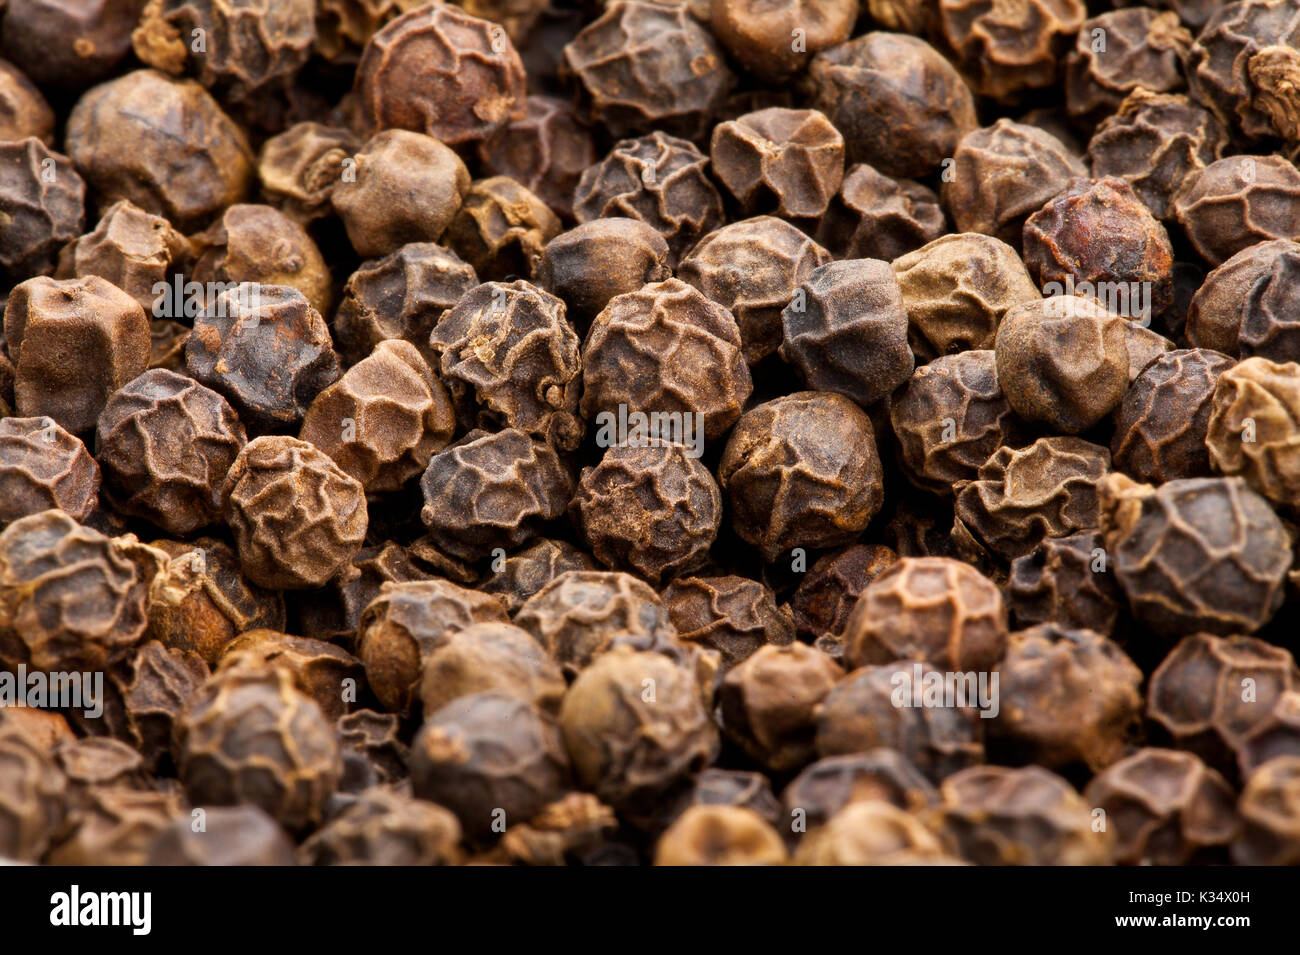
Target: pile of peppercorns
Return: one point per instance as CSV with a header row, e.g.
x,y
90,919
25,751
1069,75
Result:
x,y
558,431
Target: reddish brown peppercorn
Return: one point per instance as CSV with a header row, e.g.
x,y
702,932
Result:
x,y
134,250
1237,201
42,466
733,615
69,45
546,152
827,593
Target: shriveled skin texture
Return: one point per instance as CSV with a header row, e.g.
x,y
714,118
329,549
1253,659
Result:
x,y
1154,142
876,217
1253,430
1273,736
802,471
757,32
300,167
1269,806
524,573
510,358
166,444
826,595
928,608
42,466
124,136
1048,489
163,680
666,348
590,264
1238,201
1249,304
960,390
249,736
492,490
319,669
653,510
344,26
486,657
1275,74
1168,807
23,110
900,105
297,518
786,161
642,65
116,826
734,615
872,833
1202,554
1195,695
659,179
501,228
42,205
384,827
131,248
1145,49
250,44
70,598
1162,423
1064,581
825,787
720,835
1006,48
31,796
437,70
546,151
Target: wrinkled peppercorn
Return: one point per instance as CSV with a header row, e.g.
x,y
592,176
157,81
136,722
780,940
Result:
x,y
546,152
500,228
1270,814
320,670
1065,581
1252,427
828,785
490,657
522,574
32,789
785,161
115,827
299,168
133,249
1246,306
232,836
876,217
1237,201
1143,49
733,615
720,835
42,200
385,827
825,597
163,680
1009,48
872,833
588,266
42,466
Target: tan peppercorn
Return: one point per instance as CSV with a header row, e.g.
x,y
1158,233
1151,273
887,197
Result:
x,y
1270,813
320,670
490,657
872,833
32,789
720,835
757,32
1252,430
132,249
785,161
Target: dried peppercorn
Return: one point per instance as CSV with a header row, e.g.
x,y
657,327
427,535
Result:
x,y
1062,361
492,490
344,26
1141,49
720,835
290,777
133,249
383,419
546,152
401,627
489,758
872,833
500,228
1238,201
801,471
320,671
297,518
949,418
733,615
1246,306
1201,554
162,682
1154,142
1252,430
633,742
732,787
42,466
201,601
490,657
869,87
575,829
1065,581
645,64
1003,173
658,179
638,358
825,787
32,789
23,110
386,827
1270,815
1167,808
400,296
164,144
166,443
373,755
115,827
788,162
233,836
522,574
440,71
957,289
42,199
1011,48
299,168
266,350
1162,423
46,559
375,202
931,608
757,33
825,597
332,612
846,331
69,44
1048,489
874,216
1277,734
167,344
588,266
97,762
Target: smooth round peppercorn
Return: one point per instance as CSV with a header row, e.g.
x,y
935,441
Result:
x,y
68,45
23,110
42,466
757,33
720,835
874,216
1237,201
588,266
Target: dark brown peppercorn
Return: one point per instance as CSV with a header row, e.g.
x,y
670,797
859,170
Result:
x,y
846,331
384,419
646,64
828,592
522,574
69,44
321,671
491,759
490,657
658,179
300,167
23,110
373,754
1252,427
733,615
42,205
1237,201
1154,142
828,785
1277,734
733,787
501,228
546,152
1065,581
97,762
1139,48
957,289
164,144
900,105
1202,554
802,471
876,217
115,827
1009,48
386,827
42,466
1162,424
1048,489
1248,305
376,202
134,250
290,774
788,162
70,598
720,835
1167,808
861,714
928,608
1270,813
440,71
32,789
1209,693
400,296
233,836
1026,816
332,613
267,351
587,266
492,490
758,33
297,518
1001,174
166,443
344,26
163,681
